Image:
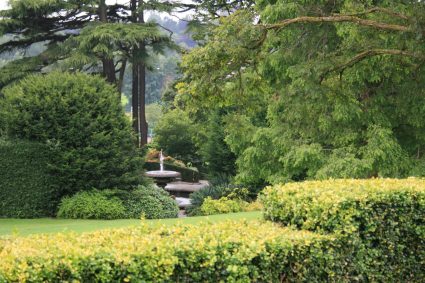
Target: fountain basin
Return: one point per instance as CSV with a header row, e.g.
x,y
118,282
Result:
x,y
162,177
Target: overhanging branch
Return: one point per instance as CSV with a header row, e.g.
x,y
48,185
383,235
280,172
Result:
x,y
379,10
368,53
338,19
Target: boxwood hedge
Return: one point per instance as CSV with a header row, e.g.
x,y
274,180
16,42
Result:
x,y
27,189
224,252
384,218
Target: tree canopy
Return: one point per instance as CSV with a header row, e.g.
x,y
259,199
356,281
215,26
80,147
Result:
x,y
317,89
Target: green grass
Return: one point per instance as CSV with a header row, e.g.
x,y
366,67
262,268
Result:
x,y
24,227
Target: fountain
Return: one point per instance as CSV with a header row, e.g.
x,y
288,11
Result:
x,y
179,190
163,177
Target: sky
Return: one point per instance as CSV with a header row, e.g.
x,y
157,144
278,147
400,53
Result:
x,y
3,4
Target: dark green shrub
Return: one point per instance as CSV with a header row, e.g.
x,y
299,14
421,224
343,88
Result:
x,y
215,192
187,174
215,153
81,119
26,188
91,205
175,133
384,218
150,202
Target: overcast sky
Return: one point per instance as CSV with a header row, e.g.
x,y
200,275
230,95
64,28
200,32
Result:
x,y
3,4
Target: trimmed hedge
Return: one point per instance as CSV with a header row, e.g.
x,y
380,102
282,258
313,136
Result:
x,y
224,252
188,174
384,218
26,188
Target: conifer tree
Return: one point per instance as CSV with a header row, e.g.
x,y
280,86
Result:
x,y
90,35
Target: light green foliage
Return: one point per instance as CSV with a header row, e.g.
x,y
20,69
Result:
x,y
80,119
91,205
203,253
149,202
215,192
27,189
315,99
222,205
383,217
175,133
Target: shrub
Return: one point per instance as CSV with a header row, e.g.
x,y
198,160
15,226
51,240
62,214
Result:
x,y
222,205
174,134
81,119
215,153
214,192
91,205
223,252
384,217
225,205
26,188
151,202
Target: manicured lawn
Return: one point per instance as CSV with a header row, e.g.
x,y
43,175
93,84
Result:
x,y
23,227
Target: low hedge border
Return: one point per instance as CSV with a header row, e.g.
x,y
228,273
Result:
x,y
230,251
385,218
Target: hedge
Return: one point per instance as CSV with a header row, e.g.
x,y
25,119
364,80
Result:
x,y
187,174
224,252
26,188
384,218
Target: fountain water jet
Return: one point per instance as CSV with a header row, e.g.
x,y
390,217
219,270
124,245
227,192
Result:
x,y
162,177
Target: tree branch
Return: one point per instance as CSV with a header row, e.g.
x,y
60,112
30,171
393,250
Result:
x,y
338,19
379,10
368,53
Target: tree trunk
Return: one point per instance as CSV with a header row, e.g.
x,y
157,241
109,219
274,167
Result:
x,y
142,108
135,100
135,79
121,75
107,64
142,89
